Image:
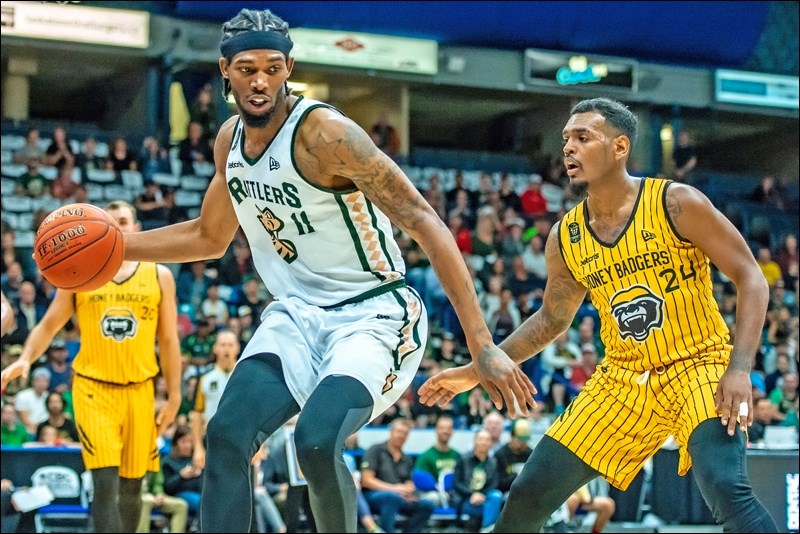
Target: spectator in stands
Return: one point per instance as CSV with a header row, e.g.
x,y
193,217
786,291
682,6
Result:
x,y
32,183
783,366
214,306
462,206
120,158
12,281
175,213
12,431
458,186
187,398
199,345
770,268
153,497
520,280
533,202
14,254
65,427
204,112
783,397
787,258
63,186
435,195
385,136
508,196
506,318
60,369
513,455
587,334
557,360
153,158
387,485
769,193
194,149
684,156
268,518
585,368
495,424
192,284
182,478
781,325
210,387
475,481
440,457
88,160
533,259
511,243
31,403
151,206
29,310
764,415
236,264
32,148
251,296
587,501
59,154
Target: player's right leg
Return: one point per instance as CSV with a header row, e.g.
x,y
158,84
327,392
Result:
x,y
551,474
256,402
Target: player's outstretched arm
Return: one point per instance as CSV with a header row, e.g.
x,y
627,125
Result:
x,y
338,148
205,237
562,298
38,341
696,219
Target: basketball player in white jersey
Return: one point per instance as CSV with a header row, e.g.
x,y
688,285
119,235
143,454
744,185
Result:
x,y
345,335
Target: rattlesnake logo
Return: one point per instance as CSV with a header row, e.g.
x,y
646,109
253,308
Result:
x,y
273,225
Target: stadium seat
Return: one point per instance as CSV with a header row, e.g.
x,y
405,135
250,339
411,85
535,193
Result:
x,y
194,183
13,171
69,511
133,180
100,176
163,178
425,482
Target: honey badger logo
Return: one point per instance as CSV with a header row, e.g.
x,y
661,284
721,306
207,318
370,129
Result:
x,y
637,311
118,323
273,225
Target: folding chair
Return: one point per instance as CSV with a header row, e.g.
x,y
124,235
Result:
x,y
69,511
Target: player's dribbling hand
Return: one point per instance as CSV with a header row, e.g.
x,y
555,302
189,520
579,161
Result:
x,y
504,381
734,400
442,387
21,367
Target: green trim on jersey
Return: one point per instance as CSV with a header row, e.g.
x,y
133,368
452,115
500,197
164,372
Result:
x,y
414,331
374,292
253,161
362,257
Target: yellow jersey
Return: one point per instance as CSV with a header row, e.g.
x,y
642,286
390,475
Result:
x,y
119,323
651,287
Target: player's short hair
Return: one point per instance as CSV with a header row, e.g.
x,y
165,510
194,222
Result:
x,y
117,204
616,114
250,20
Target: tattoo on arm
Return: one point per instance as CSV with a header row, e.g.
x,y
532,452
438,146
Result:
x,y
673,206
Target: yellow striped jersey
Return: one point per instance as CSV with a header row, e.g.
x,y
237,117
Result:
x,y
118,323
652,287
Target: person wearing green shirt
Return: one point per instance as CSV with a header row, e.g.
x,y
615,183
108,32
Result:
x,y
153,496
440,458
13,432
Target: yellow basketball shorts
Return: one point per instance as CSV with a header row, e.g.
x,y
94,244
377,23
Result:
x,y
622,417
116,425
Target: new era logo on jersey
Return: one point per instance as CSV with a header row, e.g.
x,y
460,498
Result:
x,y
273,164
648,235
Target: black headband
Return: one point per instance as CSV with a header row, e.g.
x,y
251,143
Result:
x,y
256,40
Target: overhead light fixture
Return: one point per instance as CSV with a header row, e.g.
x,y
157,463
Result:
x,y
666,133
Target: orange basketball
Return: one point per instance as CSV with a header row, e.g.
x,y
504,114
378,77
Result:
x,y
78,247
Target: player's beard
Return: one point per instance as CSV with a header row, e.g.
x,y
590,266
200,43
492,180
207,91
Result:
x,y
257,121
579,188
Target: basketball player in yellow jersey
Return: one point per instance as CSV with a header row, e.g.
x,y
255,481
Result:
x,y
113,376
641,247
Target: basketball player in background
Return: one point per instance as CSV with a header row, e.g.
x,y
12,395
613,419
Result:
x,y
345,335
641,247
7,315
113,381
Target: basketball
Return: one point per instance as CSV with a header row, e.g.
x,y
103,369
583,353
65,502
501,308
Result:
x,y
78,247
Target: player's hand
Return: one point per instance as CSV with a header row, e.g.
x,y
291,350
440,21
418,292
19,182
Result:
x,y
21,367
199,457
504,381
166,415
442,387
734,400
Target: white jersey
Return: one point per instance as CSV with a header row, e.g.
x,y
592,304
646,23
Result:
x,y
323,246
210,387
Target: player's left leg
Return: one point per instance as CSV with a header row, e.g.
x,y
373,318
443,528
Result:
x,y
720,469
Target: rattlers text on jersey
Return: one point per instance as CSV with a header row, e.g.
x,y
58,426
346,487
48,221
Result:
x,y
118,325
322,246
652,288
